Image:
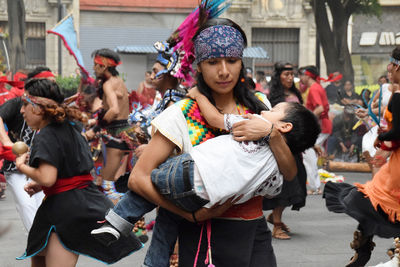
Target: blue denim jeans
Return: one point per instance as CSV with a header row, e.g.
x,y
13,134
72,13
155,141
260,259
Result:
x,y
174,180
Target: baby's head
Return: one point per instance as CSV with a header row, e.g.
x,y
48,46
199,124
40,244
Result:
x,y
299,126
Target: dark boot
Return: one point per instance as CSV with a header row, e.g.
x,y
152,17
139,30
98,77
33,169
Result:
x,y
363,246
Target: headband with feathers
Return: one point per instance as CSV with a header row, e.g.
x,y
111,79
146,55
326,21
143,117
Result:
x,y
177,53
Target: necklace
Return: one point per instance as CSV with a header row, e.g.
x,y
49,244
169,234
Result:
x,y
232,110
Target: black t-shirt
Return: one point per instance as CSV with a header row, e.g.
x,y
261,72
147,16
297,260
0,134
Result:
x,y
394,108
18,130
332,92
62,146
343,95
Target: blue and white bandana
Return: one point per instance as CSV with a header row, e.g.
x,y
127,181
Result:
x,y
395,61
217,42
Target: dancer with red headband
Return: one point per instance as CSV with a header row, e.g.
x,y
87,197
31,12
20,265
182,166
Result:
x,y
317,102
113,119
59,164
18,130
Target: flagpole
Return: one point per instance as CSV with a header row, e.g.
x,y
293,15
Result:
x,y
59,40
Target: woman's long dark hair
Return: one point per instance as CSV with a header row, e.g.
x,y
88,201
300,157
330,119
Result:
x,y
276,90
243,91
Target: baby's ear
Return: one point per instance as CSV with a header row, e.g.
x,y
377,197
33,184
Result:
x,y
284,127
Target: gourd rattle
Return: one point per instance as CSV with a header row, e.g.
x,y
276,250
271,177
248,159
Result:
x,y
19,148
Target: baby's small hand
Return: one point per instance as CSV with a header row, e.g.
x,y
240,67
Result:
x,y
193,93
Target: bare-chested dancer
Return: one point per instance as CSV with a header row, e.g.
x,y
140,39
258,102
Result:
x,y
120,136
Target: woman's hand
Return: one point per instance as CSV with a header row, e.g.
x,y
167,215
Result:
x,y
32,188
252,129
21,159
361,113
193,93
90,134
216,210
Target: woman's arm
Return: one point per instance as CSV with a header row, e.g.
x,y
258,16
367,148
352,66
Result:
x,y
45,174
255,128
209,111
4,138
155,153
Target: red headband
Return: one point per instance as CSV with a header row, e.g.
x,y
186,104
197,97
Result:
x,y
318,78
105,61
312,75
44,74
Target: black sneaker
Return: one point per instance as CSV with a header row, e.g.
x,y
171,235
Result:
x,y
143,238
106,234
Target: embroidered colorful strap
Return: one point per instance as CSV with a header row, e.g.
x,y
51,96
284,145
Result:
x,y
199,130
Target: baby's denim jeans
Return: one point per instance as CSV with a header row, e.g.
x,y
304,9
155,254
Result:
x,y
174,180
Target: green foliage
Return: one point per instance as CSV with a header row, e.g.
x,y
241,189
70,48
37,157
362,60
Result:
x,y
368,7
3,64
69,85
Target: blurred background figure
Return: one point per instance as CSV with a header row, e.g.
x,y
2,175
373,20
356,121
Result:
x,y
348,96
333,88
283,89
146,90
365,96
382,80
249,72
345,142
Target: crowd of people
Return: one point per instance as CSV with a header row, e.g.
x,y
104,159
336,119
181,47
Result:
x,y
210,148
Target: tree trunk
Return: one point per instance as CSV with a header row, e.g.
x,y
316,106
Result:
x,y
16,28
334,39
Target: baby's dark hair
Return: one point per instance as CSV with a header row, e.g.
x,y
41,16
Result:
x,y
305,129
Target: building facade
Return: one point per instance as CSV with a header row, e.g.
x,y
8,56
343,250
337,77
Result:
x,y
106,24
284,28
41,48
373,39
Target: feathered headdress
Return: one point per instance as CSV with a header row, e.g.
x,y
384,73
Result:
x,y
179,47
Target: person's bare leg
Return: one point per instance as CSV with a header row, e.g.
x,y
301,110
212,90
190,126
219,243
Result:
x,y
122,167
57,255
113,162
38,261
277,214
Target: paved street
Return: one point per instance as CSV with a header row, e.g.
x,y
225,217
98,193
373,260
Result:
x,y
319,239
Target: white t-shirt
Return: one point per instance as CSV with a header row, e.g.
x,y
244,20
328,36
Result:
x,y
386,94
229,168
226,167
